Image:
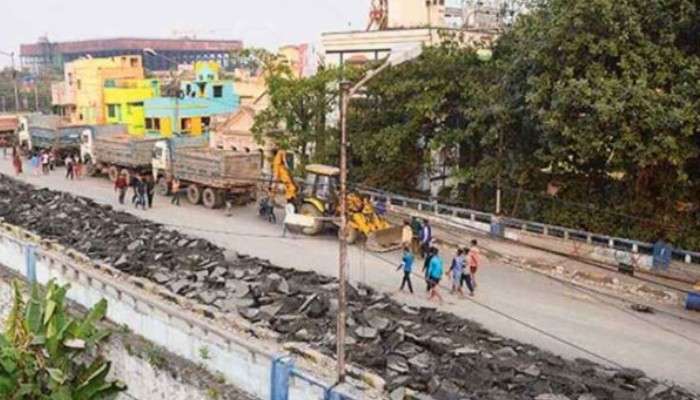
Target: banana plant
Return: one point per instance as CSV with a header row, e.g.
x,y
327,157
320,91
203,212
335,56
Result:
x,y
48,354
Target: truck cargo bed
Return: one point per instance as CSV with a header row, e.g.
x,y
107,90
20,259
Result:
x,y
217,168
123,150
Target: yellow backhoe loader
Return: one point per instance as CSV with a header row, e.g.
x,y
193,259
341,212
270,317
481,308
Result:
x,y
319,199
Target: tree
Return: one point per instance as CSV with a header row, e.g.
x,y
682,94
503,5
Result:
x,y
46,354
296,118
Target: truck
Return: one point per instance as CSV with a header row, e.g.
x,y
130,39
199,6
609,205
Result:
x,y
47,132
211,176
110,150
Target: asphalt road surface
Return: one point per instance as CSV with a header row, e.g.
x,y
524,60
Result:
x,y
521,305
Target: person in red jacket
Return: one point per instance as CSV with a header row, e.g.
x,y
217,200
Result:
x,y
120,186
474,260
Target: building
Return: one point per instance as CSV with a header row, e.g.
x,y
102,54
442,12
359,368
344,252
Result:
x,y
124,102
191,112
407,23
54,55
80,97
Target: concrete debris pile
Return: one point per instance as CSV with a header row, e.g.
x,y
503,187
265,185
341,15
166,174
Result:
x,y
415,350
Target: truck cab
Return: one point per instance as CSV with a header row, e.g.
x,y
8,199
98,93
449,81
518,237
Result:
x,y
87,141
160,163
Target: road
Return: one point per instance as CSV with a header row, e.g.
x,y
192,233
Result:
x,y
518,304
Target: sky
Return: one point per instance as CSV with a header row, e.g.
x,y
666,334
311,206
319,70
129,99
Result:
x,y
259,23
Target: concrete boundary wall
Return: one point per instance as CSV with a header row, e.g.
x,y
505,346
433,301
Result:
x,y
182,327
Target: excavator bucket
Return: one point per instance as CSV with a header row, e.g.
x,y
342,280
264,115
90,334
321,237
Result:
x,y
385,240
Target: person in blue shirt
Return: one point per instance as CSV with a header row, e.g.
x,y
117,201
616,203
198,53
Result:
x,y
407,265
456,271
435,272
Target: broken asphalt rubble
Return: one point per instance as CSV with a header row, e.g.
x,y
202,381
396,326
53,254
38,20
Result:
x,y
421,353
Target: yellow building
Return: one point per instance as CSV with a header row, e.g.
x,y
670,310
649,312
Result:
x,y
85,80
124,102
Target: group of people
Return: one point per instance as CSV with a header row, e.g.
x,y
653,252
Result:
x,y
42,162
143,189
417,238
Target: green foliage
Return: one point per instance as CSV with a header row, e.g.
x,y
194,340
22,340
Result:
x,y
597,97
296,118
46,354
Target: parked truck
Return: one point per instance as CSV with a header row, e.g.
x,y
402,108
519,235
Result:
x,y
210,176
110,150
46,132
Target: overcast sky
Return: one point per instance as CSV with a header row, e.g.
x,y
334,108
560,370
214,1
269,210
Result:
x,y
267,23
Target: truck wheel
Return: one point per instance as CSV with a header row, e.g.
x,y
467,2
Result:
x,y
163,188
113,173
311,211
194,194
211,198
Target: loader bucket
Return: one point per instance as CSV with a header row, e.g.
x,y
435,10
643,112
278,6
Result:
x,y
385,240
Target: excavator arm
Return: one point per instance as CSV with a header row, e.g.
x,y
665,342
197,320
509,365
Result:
x,y
281,174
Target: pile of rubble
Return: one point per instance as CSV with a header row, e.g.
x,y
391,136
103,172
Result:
x,y
414,350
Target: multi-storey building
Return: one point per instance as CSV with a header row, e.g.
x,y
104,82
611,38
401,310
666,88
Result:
x,y
197,102
80,97
157,54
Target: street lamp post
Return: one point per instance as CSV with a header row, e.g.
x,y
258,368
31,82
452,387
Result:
x,y
347,90
14,77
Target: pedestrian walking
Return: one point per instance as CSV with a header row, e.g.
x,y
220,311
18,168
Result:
x,y
150,190
70,173
16,161
406,234
435,271
416,227
407,266
426,237
77,167
175,190
474,260
4,143
52,159
134,183
456,272
426,267
45,162
141,193
35,162
120,186
466,278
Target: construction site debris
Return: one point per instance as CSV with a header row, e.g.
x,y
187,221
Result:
x,y
419,352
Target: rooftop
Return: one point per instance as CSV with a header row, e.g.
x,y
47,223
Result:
x,y
136,44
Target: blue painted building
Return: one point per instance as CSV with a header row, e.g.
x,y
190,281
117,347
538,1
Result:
x,y
191,113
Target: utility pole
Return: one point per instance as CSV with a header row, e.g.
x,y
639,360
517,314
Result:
x,y
500,172
347,90
4,106
343,250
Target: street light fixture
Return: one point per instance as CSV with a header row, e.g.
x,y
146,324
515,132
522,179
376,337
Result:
x,y
347,90
14,77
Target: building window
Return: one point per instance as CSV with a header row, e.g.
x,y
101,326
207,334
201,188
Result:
x,y
218,91
186,125
206,122
153,124
79,84
111,110
134,62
